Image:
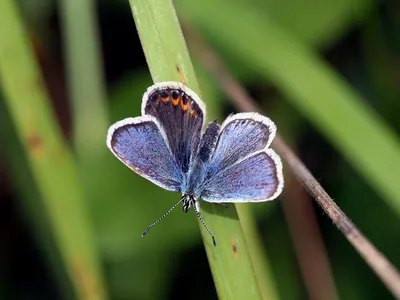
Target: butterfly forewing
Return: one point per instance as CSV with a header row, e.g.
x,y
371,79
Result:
x,y
139,144
181,114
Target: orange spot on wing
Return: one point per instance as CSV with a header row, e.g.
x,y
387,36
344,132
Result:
x,y
192,112
165,99
175,102
184,106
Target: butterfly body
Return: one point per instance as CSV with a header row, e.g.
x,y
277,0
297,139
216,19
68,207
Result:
x,y
227,163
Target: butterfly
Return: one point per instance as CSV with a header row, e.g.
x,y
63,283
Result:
x,y
231,163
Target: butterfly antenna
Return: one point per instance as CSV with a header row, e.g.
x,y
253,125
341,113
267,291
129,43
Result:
x,y
162,217
204,225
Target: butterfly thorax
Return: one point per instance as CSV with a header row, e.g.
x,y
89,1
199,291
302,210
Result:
x,y
198,169
189,200
195,177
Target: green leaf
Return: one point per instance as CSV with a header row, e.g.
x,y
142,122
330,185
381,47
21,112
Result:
x,y
53,170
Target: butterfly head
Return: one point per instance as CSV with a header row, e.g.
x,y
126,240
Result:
x,y
189,200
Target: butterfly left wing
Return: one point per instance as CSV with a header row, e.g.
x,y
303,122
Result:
x,y
256,178
181,113
140,144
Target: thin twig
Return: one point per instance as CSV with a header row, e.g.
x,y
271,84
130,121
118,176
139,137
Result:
x,y
237,94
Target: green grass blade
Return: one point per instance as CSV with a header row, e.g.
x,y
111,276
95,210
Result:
x,y
31,204
258,255
311,86
46,152
168,59
88,95
320,26
162,42
85,75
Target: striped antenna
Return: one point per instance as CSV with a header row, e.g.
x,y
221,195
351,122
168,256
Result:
x,y
204,225
162,217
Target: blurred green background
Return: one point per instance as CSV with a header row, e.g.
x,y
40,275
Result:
x,y
327,72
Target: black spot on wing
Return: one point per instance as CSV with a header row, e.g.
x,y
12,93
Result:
x,y
175,94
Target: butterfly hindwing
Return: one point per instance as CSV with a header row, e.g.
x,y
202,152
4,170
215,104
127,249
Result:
x,y
140,144
181,114
256,178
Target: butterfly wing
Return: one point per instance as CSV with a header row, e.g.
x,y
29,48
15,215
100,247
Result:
x,y
240,135
254,179
140,144
242,168
181,114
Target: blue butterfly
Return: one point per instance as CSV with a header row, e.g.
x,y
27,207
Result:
x,y
227,163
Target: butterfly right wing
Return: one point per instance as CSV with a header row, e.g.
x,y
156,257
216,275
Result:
x,y
242,168
140,144
240,135
256,178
